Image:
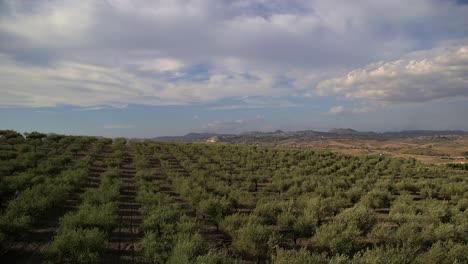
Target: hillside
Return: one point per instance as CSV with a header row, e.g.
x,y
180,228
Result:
x,y
279,136
425,145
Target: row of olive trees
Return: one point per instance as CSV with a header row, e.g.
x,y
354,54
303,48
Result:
x,y
170,234
331,182
49,167
82,235
31,204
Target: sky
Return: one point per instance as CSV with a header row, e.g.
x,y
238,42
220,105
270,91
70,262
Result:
x,y
147,68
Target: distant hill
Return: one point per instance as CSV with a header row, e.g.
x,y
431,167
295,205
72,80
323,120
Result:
x,y
342,131
190,137
278,136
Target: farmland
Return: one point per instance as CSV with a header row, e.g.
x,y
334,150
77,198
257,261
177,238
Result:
x,y
427,146
69,199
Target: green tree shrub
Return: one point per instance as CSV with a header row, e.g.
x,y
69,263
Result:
x,y
77,246
254,241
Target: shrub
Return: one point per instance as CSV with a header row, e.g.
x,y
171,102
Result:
x,y
409,233
304,226
91,216
254,241
402,209
215,207
376,199
77,246
446,232
13,224
462,204
187,225
445,253
337,239
360,217
187,248
101,195
161,219
342,235
215,257
388,255
407,185
267,211
156,247
230,224
380,233
434,211
427,192
301,256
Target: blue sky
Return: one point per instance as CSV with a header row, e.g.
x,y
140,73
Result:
x,y
141,68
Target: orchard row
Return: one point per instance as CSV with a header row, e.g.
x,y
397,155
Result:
x,y
155,202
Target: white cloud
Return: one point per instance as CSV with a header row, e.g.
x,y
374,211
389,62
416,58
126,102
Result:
x,y
340,110
73,84
159,65
257,123
118,52
84,85
436,75
160,9
335,110
58,23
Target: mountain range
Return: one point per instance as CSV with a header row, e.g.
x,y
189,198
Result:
x,y
257,137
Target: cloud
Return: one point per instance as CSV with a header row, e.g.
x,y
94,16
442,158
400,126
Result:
x,y
178,52
258,103
94,108
340,110
440,74
57,23
335,110
160,65
73,84
257,123
88,85
225,127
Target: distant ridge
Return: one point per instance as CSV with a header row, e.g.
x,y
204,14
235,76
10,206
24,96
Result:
x,y
255,137
343,131
190,137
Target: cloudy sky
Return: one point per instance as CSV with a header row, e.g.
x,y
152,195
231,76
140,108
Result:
x,y
143,68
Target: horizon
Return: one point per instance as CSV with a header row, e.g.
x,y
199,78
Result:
x,y
144,69
245,132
